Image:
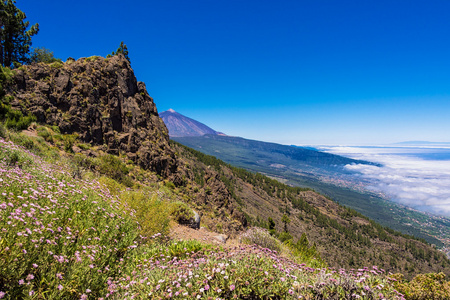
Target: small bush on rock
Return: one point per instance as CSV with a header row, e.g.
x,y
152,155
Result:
x,y
260,237
181,212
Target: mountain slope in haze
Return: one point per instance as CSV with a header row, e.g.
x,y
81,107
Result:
x,y
264,153
180,126
422,143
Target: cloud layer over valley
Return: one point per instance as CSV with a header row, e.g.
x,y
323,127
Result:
x,y
416,177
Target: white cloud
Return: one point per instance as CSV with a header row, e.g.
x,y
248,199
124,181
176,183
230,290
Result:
x,y
405,176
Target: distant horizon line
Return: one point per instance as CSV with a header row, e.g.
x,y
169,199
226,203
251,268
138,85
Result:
x,y
398,144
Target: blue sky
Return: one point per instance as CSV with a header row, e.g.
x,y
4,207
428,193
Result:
x,y
291,72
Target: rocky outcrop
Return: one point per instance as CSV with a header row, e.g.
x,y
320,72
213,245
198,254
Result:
x,y
101,101
193,222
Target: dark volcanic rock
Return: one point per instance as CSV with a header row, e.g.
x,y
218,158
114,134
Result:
x,y
100,100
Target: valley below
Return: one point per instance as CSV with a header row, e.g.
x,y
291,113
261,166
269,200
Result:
x,y
330,176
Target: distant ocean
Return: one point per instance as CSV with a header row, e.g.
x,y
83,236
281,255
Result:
x,y
417,176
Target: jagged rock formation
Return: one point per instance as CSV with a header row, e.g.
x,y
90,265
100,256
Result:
x,y
100,100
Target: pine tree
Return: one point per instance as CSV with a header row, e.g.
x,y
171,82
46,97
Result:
x,y
285,219
122,50
43,55
15,37
271,223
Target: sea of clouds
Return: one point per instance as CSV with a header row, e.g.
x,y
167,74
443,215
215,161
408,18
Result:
x,y
418,177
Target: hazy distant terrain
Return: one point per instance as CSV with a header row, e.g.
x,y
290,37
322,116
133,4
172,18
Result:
x,y
423,143
334,176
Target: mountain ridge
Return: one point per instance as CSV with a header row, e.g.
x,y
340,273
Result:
x,y
181,126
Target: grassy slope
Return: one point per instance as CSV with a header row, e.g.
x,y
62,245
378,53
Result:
x,y
65,237
70,234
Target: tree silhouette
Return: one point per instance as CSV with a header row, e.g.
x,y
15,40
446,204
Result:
x,y
15,37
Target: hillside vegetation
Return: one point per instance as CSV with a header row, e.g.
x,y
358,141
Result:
x,y
66,237
324,173
345,237
87,202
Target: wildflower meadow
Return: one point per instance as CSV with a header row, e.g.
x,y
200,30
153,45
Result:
x,y
68,238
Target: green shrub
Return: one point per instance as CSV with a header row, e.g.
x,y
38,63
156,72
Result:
x,y
57,65
3,131
181,212
109,165
14,119
208,190
84,146
260,237
44,133
151,212
430,286
55,128
25,141
6,75
304,251
69,140
169,184
113,167
285,236
181,249
92,58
